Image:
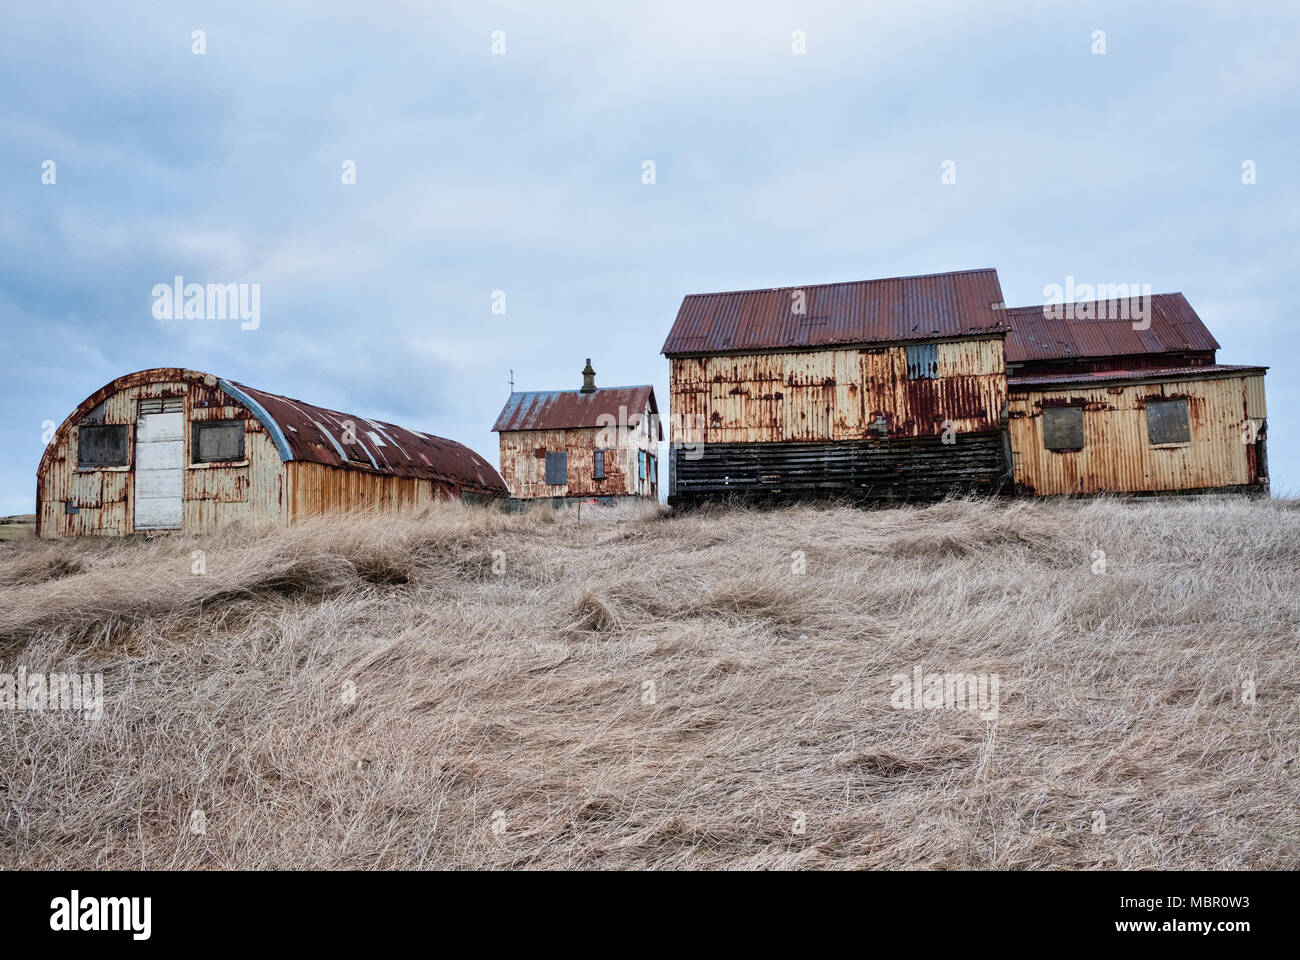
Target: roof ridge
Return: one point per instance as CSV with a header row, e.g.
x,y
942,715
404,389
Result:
x,y
843,283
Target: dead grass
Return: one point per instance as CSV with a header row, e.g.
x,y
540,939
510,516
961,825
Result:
x,y
519,699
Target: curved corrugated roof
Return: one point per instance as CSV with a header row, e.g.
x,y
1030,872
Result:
x,y
570,409
303,431
1175,328
959,304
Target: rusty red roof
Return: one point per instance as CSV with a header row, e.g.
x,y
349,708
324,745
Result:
x,y
1174,328
303,431
570,409
1205,372
960,304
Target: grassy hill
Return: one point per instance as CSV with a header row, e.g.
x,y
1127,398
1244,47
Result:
x,y
372,693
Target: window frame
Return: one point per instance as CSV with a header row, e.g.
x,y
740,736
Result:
x,y
598,465
922,361
1083,435
125,431
556,456
198,426
1186,422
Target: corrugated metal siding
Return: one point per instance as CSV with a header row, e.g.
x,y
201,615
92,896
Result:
x,y
255,490
525,471
836,394
1117,455
316,489
212,495
927,307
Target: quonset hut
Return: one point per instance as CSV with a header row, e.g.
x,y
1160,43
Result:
x,y
173,449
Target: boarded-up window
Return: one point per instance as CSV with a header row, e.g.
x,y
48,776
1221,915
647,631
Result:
x,y
652,468
217,441
557,468
922,361
1063,428
640,464
598,465
1167,421
102,446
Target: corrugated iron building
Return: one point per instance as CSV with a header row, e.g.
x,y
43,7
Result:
x,y
873,389
1101,401
174,449
600,443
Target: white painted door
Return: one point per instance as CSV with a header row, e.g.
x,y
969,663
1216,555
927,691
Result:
x,y
159,470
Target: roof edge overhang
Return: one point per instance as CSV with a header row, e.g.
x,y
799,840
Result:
x,y
264,418
991,333
1099,378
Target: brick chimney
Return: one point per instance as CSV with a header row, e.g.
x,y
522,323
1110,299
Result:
x,y
588,378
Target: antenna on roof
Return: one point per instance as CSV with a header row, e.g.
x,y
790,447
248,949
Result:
x,y
512,380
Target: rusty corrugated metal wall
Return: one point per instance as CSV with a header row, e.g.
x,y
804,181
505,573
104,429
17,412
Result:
x,y
261,488
836,394
523,462
1117,455
212,494
315,489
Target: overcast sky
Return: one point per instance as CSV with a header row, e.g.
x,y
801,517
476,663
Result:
x,y
522,172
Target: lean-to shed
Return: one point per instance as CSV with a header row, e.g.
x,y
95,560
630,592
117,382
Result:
x,y
174,449
1103,400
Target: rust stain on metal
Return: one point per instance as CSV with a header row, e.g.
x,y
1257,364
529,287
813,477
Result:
x,y
257,489
1035,338
934,306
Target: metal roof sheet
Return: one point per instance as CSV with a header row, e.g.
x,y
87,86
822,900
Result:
x,y
939,305
570,409
339,439
1174,328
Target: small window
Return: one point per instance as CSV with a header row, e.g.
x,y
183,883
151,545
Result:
x,y
923,361
640,464
598,465
557,468
653,468
162,405
1167,421
1063,428
101,446
217,441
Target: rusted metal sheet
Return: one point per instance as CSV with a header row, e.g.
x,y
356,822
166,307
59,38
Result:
x,y
257,489
837,394
317,489
1208,372
1224,450
1102,329
934,306
337,439
524,456
571,409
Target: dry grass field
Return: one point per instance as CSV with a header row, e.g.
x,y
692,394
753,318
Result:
x,y
371,693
